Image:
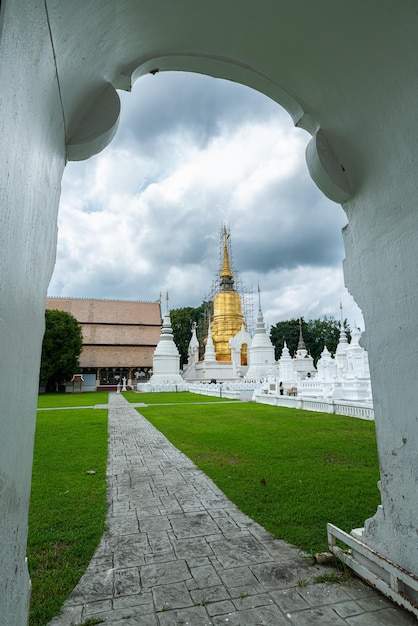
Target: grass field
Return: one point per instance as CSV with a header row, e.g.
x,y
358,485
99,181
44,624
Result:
x,y
314,468
88,398
68,506
169,397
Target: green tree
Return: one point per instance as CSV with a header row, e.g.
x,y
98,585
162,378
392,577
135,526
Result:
x,y
317,334
287,331
181,323
323,332
61,348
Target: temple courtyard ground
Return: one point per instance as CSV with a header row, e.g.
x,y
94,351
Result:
x,y
178,552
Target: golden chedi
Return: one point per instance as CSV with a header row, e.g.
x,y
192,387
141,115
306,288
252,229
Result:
x,y
227,312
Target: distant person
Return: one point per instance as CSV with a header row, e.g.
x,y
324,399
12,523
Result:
x,y
281,388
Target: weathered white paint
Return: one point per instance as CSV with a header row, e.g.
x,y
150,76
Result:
x,y
346,72
32,149
388,577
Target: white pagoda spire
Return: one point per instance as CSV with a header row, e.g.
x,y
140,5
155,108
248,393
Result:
x,y
166,359
301,350
287,372
343,341
210,354
194,342
261,352
261,327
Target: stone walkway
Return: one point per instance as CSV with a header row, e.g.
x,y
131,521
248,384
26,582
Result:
x,y
178,552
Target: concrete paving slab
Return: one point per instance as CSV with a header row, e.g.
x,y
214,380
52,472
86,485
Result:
x,y
320,594
323,616
178,552
384,617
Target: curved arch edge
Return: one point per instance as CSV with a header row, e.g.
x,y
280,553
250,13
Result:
x,y
97,126
220,67
325,169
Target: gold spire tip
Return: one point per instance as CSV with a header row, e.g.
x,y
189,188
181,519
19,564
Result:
x,y
226,268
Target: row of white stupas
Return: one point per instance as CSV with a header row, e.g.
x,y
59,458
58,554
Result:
x,y
346,376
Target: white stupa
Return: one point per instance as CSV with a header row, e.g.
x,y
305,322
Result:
x,y
341,352
357,359
210,355
261,352
327,367
192,353
166,359
302,360
356,373
287,372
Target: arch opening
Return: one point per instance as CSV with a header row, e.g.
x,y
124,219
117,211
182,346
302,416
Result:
x,y
353,90
221,152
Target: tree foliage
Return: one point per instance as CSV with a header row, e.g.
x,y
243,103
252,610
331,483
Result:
x,y
317,334
61,348
288,332
181,323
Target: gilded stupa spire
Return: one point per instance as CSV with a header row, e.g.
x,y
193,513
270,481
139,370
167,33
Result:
x,y
227,312
227,279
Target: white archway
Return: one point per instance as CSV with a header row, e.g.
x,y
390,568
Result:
x,y
347,73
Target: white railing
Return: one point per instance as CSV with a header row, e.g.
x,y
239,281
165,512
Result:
x,y
393,581
244,390
360,410
355,409
233,391
149,388
217,393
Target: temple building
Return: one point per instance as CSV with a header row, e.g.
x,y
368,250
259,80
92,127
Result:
x,y
227,341
119,339
227,311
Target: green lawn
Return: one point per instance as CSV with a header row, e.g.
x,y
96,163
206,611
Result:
x,y
88,398
68,506
168,397
317,467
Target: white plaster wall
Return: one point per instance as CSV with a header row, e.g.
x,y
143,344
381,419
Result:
x,y
31,164
345,71
381,273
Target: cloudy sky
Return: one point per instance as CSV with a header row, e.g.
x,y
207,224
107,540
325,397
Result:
x,y
192,153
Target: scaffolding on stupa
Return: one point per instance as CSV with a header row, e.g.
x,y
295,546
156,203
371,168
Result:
x,y
245,294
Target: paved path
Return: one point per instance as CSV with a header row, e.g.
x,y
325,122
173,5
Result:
x,y
178,552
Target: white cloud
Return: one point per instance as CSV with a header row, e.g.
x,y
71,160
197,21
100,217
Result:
x,y
144,216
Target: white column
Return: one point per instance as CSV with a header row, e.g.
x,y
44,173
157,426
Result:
x,y
32,158
381,273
